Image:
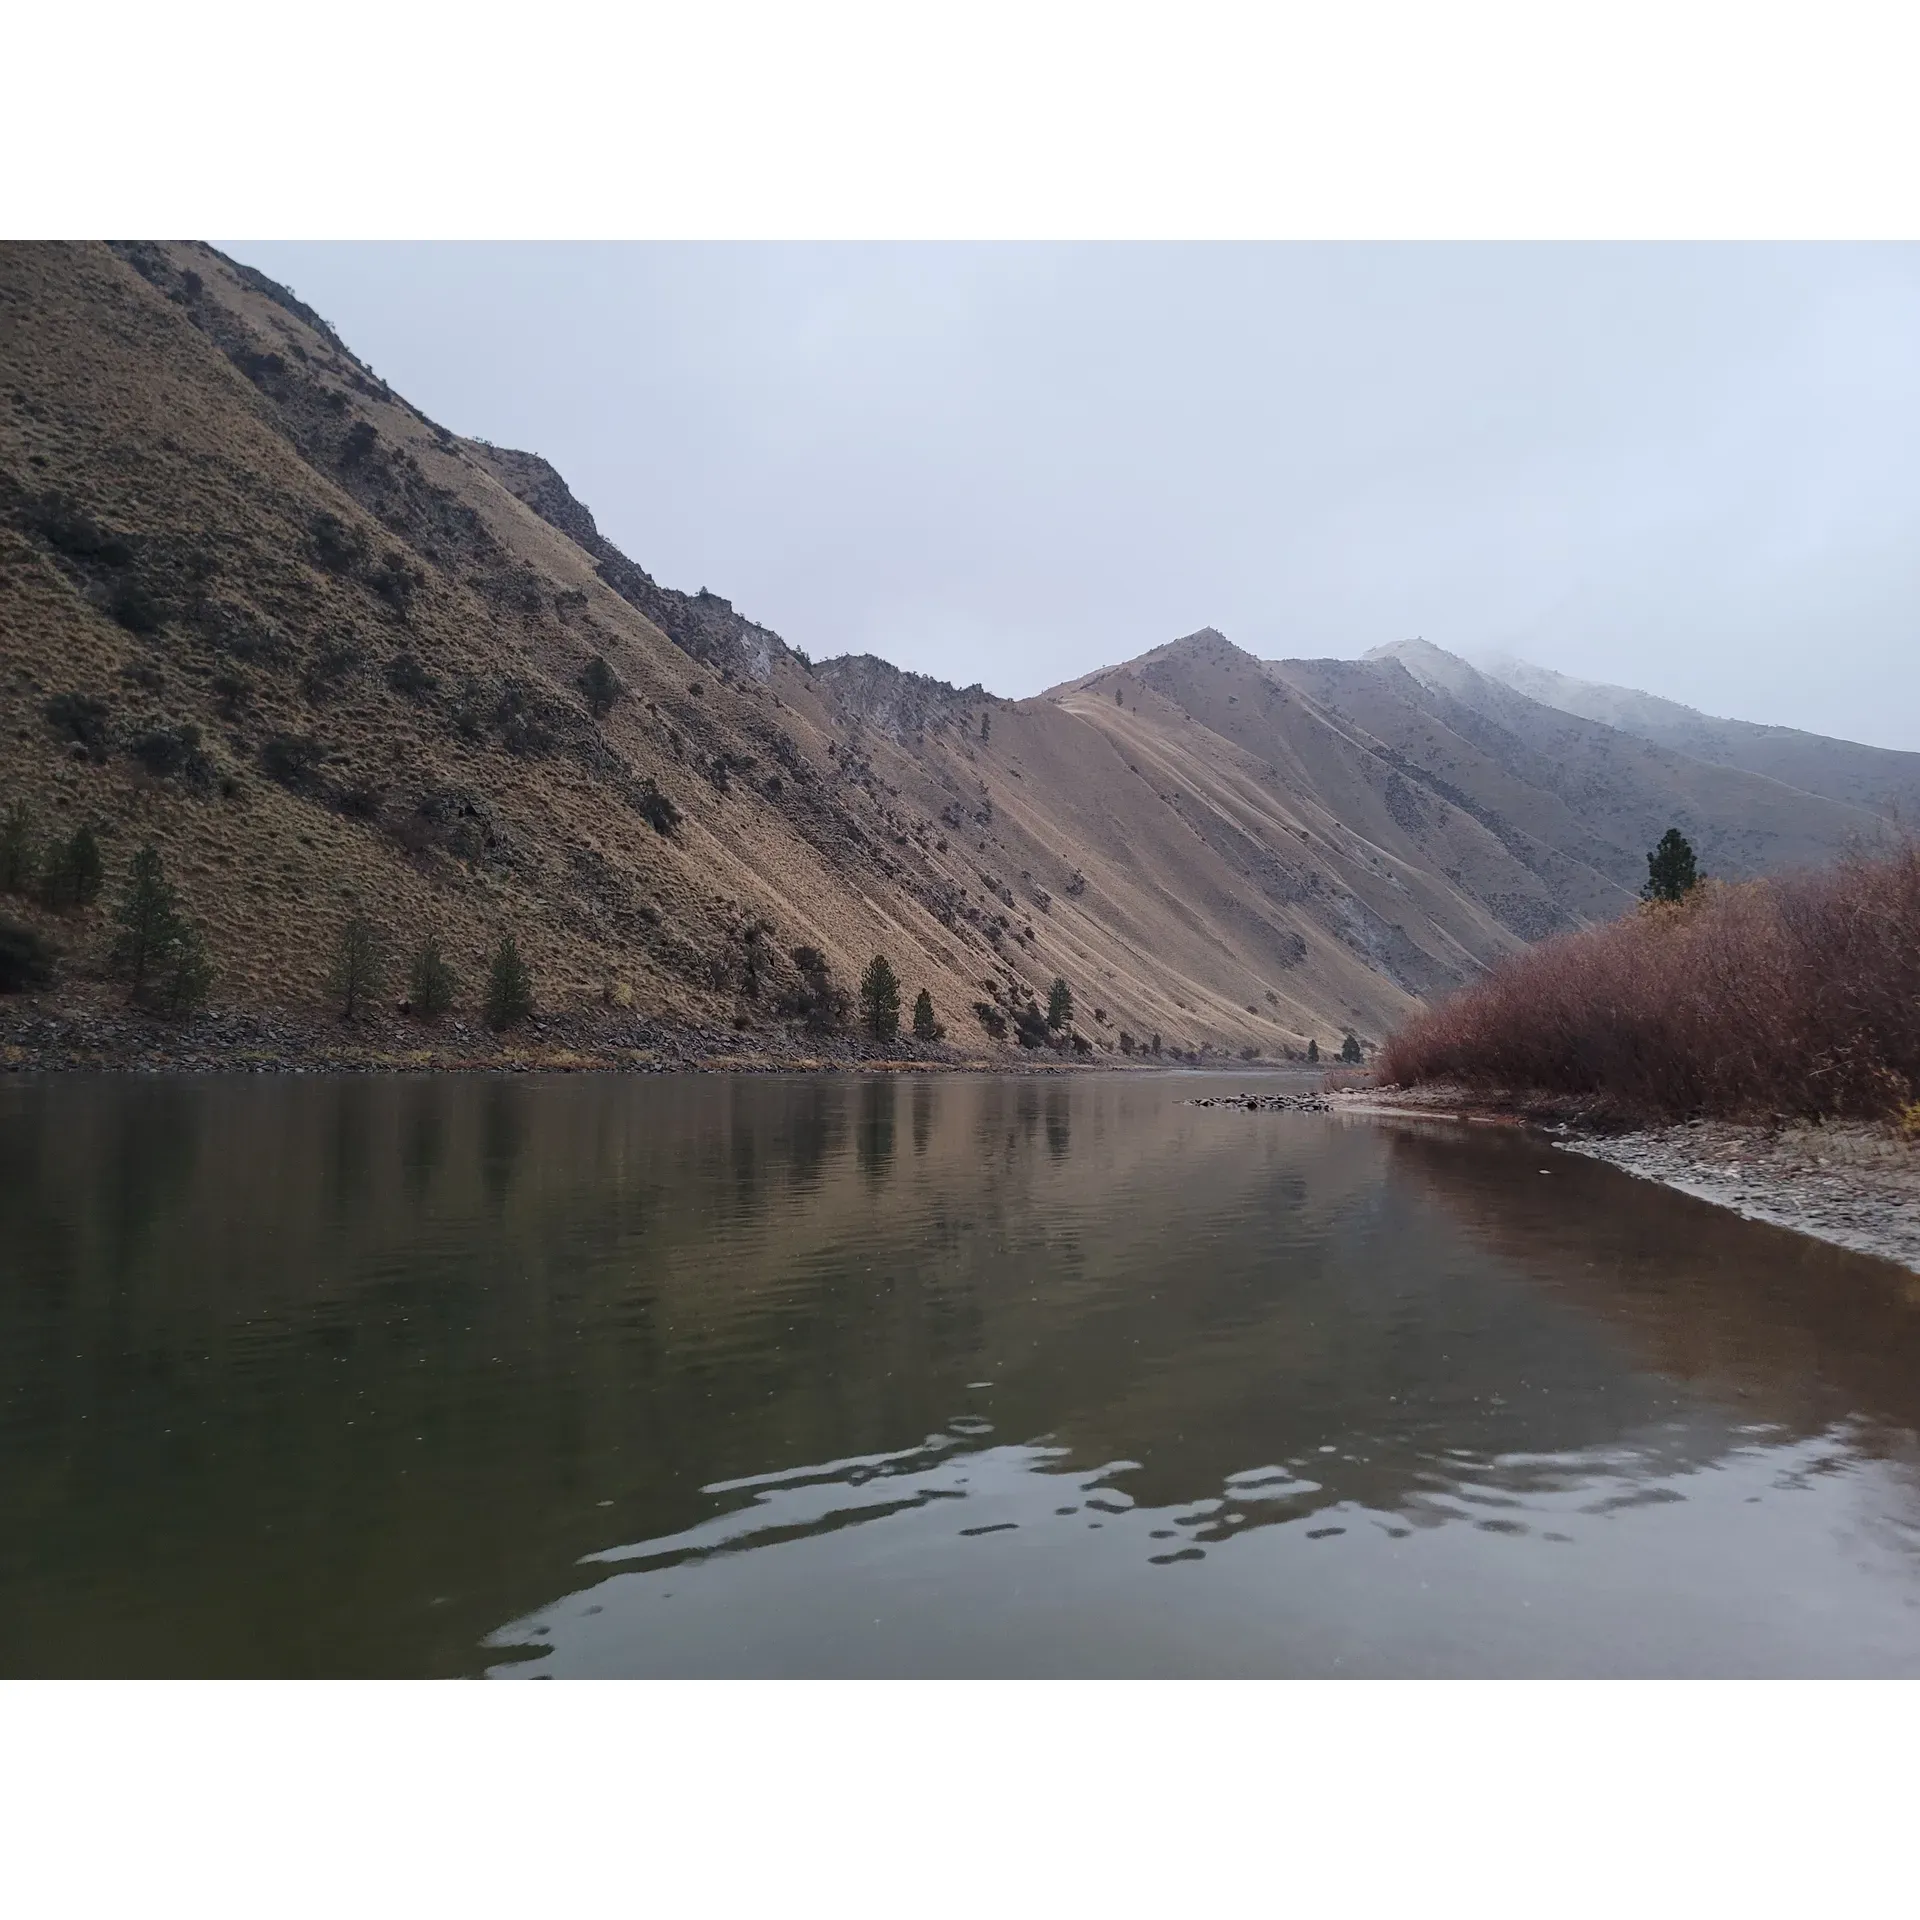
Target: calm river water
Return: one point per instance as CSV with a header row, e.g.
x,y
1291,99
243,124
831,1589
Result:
x,y
957,1376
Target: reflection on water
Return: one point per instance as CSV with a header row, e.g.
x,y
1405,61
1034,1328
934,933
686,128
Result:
x,y
955,1376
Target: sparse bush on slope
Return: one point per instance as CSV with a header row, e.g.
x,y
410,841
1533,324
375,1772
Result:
x,y
26,961
1797,996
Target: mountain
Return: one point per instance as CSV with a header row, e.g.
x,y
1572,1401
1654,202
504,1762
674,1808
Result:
x,y
330,656
1880,778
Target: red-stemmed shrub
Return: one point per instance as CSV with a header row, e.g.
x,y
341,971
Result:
x,y
1797,996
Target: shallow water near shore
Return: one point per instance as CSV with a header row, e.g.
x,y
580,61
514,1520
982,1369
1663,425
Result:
x,y
935,1376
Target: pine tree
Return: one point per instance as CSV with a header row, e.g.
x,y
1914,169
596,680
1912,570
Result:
x,y
925,1026
430,984
1313,1053
86,871
16,849
509,986
1672,873
880,998
148,915
356,977
73,871
186,974
1059,1005
1350,1050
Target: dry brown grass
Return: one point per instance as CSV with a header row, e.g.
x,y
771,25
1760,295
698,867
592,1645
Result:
x,y
1797,996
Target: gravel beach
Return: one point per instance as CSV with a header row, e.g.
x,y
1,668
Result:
x,y
1855,1185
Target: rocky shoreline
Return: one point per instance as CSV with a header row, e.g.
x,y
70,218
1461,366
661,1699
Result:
x,y
565,1043
1853,1184
33,1040
1268,1102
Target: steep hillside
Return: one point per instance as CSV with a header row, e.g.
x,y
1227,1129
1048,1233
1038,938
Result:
x,y
333,658
1879,778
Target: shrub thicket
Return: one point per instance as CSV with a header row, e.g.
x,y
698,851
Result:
x,y
819,1001
601,685
81,719
406,675
1797,996
656,809
26,961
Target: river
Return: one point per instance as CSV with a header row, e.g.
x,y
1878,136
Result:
x,y
916,1376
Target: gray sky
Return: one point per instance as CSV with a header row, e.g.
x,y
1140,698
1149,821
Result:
x,y
1685,468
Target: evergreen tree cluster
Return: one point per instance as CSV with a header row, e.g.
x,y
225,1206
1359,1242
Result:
x,y
66,874
358,977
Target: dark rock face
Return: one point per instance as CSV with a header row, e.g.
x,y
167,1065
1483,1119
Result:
x,y
702,625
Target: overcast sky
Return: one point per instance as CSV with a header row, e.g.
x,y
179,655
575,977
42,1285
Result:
x,y
1690,469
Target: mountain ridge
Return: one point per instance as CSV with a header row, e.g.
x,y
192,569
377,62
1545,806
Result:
x,y
1885,779
330,657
